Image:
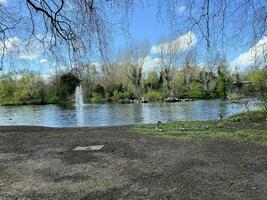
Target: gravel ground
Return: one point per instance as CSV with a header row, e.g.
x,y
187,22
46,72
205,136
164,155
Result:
x,y
39,163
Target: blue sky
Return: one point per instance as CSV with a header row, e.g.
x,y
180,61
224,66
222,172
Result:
x,y
145,25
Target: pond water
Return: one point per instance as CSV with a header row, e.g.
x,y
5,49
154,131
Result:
x,y
116,114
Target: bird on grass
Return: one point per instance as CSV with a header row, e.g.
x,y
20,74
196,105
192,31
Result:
x,y
158,126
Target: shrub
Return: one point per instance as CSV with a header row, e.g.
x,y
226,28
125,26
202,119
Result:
x,y
195,90
99,90
68,84
27,89
117,96
110,89
97,99
154,95
151,82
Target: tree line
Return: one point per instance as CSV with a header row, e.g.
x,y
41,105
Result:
x,y
124,83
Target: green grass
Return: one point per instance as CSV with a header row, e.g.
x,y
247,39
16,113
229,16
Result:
x,y
250,126
256,115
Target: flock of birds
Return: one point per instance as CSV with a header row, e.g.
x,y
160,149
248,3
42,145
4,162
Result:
x,y
159,127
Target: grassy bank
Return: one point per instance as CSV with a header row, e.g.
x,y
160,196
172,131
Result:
x,y
250,126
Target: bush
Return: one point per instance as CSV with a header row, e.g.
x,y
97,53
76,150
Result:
x,y
110,89
117,96
99,90
97,99
28,89
195,91
154,96
152,80
68,84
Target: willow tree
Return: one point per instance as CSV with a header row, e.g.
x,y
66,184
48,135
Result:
x,y
74,27
84,26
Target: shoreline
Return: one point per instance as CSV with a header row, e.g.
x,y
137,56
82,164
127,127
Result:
x,y
118,103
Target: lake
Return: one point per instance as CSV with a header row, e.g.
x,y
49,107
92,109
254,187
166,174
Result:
x,y
116,114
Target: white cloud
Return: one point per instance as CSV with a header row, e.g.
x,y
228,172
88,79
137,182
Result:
x,y
43,60
256,55
10,44
183,43
151,64
3,2
181,9
31,51
22,49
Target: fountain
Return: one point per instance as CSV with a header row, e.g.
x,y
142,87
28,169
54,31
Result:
x,y
79,96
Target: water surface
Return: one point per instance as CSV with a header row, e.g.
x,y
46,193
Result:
x,y
115,114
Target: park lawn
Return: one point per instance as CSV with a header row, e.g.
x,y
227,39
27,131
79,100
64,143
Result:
x,y
249,126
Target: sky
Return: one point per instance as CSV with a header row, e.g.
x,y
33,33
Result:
x,y
145,25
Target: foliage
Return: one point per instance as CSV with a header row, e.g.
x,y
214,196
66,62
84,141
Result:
x,y
154,95
112,87
99,90
28,89
188,82
97,99
221,86
179,87
118,95
135,76
258,80
195,91
152,80
68,84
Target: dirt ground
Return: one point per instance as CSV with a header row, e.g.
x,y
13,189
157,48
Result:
x,y
39,163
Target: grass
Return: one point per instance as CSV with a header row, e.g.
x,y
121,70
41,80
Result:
x,y
250,126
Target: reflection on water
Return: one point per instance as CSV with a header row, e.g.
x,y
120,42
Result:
x,y
115,114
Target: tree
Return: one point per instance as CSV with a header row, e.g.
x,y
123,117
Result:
x,y
217,21
221,86
195,90
26,88
68,84
135,60
168,54
99,90
222,80
152,80
259,81
75,25
208,81
85,25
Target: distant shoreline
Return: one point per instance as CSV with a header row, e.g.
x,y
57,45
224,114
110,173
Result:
x,y
108,102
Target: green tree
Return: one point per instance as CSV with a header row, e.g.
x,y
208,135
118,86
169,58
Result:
x,y
135,76
68,84
151,81
258,80
24,89
99,90
221,86
8,89
195,90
